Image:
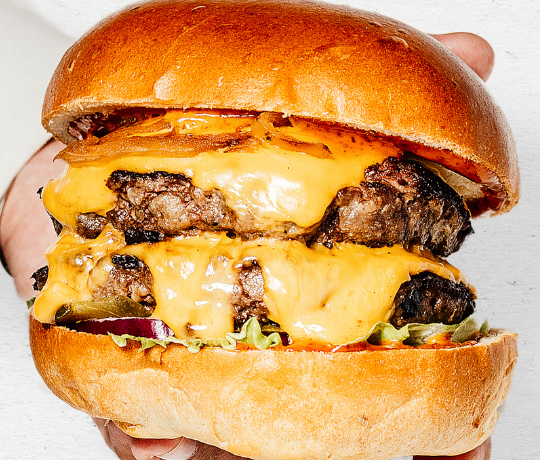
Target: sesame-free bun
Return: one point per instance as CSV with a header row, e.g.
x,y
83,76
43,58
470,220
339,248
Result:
x,y
302,58
323,62
272,404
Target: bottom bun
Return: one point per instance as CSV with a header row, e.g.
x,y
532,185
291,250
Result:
x,y
276,404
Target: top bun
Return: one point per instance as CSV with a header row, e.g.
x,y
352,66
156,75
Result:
x,y
301,58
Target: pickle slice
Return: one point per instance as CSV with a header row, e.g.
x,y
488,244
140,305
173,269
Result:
x,y
113,307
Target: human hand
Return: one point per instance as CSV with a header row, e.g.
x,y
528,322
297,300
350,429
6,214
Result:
x,y
25,227
26,231
128,448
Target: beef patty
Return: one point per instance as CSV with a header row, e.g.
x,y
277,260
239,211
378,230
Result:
x,y
401,202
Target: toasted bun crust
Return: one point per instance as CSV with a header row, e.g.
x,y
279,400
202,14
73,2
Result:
x,y
300,58
286,405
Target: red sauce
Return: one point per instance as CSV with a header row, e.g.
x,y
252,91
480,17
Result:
x,y
441,341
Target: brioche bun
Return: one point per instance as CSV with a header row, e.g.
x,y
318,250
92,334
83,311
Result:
x,y
322,62
303,58
286,405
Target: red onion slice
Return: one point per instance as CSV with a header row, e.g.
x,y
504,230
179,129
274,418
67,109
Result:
x,y
140,327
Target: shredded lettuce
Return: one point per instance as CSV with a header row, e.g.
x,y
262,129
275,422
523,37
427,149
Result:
x,y
250,334
121,341
414,334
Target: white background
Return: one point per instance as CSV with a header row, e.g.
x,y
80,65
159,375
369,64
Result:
x,y
501,259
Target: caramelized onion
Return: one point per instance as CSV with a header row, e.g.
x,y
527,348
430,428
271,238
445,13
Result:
x,y
99,124
266,128
170,145
467,188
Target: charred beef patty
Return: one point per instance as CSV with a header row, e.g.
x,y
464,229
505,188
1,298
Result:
x,y
165,204
40,278
428,298
247,297
99,124
90,224
400,203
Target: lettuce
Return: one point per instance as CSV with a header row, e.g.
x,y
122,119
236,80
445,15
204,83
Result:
x,y
250,334
414,334
121,341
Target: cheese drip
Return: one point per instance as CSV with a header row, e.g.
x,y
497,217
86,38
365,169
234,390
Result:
x,y
325,295
263,183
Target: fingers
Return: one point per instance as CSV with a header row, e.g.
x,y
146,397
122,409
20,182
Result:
x,y
482,452
206,452
476,52
166,449
177,449
128,448
119,442
25,228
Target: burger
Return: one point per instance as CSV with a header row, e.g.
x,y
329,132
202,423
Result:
x,y
253,224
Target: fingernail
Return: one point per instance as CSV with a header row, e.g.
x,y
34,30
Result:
x,y
184,450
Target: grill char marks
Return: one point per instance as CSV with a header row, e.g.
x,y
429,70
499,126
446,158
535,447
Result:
x,y
129,277
40,278
158,204
401,203
369,214
436,214
428,298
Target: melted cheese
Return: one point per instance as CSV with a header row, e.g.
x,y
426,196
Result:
x,y
315,294
264,185
329,295
70,260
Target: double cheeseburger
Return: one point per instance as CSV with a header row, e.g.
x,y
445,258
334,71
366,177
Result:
x,y
253,227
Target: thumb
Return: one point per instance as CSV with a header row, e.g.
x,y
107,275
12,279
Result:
x,y
167,449
476,52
